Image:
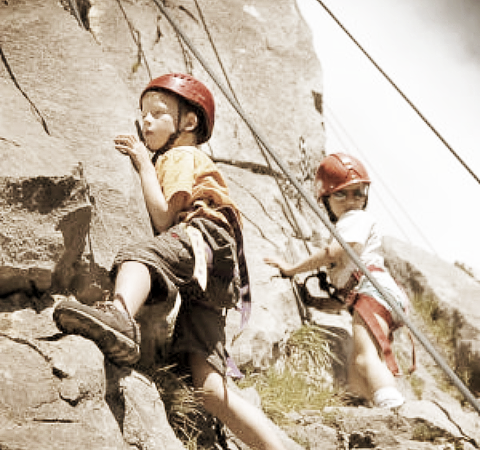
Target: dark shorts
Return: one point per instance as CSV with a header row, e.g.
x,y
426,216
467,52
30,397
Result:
x,y
200,324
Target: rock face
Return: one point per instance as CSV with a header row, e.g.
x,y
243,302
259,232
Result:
x,y
452,295
70,76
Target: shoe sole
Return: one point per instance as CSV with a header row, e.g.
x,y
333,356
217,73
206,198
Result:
x,y
117,347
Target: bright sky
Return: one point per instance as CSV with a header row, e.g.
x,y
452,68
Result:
x,y
430,49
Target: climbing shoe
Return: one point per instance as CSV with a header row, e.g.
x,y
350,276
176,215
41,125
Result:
x,y
115,332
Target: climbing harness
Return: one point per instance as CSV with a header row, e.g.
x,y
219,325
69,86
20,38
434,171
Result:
x,y
323,283
367,307
316,209
245,295
205,266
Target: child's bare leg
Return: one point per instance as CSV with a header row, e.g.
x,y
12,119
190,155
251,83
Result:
x,y
356,382
245,420
133,283
366,358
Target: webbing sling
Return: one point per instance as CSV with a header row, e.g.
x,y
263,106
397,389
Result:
x,y
367,306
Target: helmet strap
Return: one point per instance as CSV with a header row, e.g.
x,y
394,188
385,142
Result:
x,y
173,137
333,218
366,198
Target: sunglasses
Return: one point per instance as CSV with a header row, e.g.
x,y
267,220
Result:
x,y
356,194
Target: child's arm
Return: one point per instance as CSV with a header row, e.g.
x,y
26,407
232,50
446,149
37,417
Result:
x,y
162,213
323,257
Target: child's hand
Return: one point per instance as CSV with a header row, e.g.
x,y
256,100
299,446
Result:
x,y
128,144
284,267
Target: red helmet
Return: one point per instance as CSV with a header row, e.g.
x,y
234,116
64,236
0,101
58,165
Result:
x,y
192,91
338,171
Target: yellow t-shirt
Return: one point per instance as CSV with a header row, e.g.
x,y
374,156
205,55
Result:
x,y
189,170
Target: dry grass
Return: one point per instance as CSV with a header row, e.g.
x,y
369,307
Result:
x,y
442,328
189,420
438,323
301,380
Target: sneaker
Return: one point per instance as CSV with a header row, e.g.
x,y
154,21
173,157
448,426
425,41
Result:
x,y
388,397
393,403
115,332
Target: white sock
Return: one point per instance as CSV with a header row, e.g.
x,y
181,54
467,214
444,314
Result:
x,y
388,397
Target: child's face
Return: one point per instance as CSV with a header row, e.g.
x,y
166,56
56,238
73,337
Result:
x,y
350,198
160,116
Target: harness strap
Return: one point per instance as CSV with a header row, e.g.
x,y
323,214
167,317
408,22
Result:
x,y
202,256
348,290
246,299
204,263
245,296
367,307
245,307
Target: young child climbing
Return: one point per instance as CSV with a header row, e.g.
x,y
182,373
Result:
x,y
196,250
342,185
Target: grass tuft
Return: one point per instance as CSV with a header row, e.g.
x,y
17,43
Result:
x,y
186,415
443,326
301,380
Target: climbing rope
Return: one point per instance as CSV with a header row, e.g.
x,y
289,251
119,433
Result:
x,y
314,206
76,12
296,226
335,123
136,38
17,85
410,103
